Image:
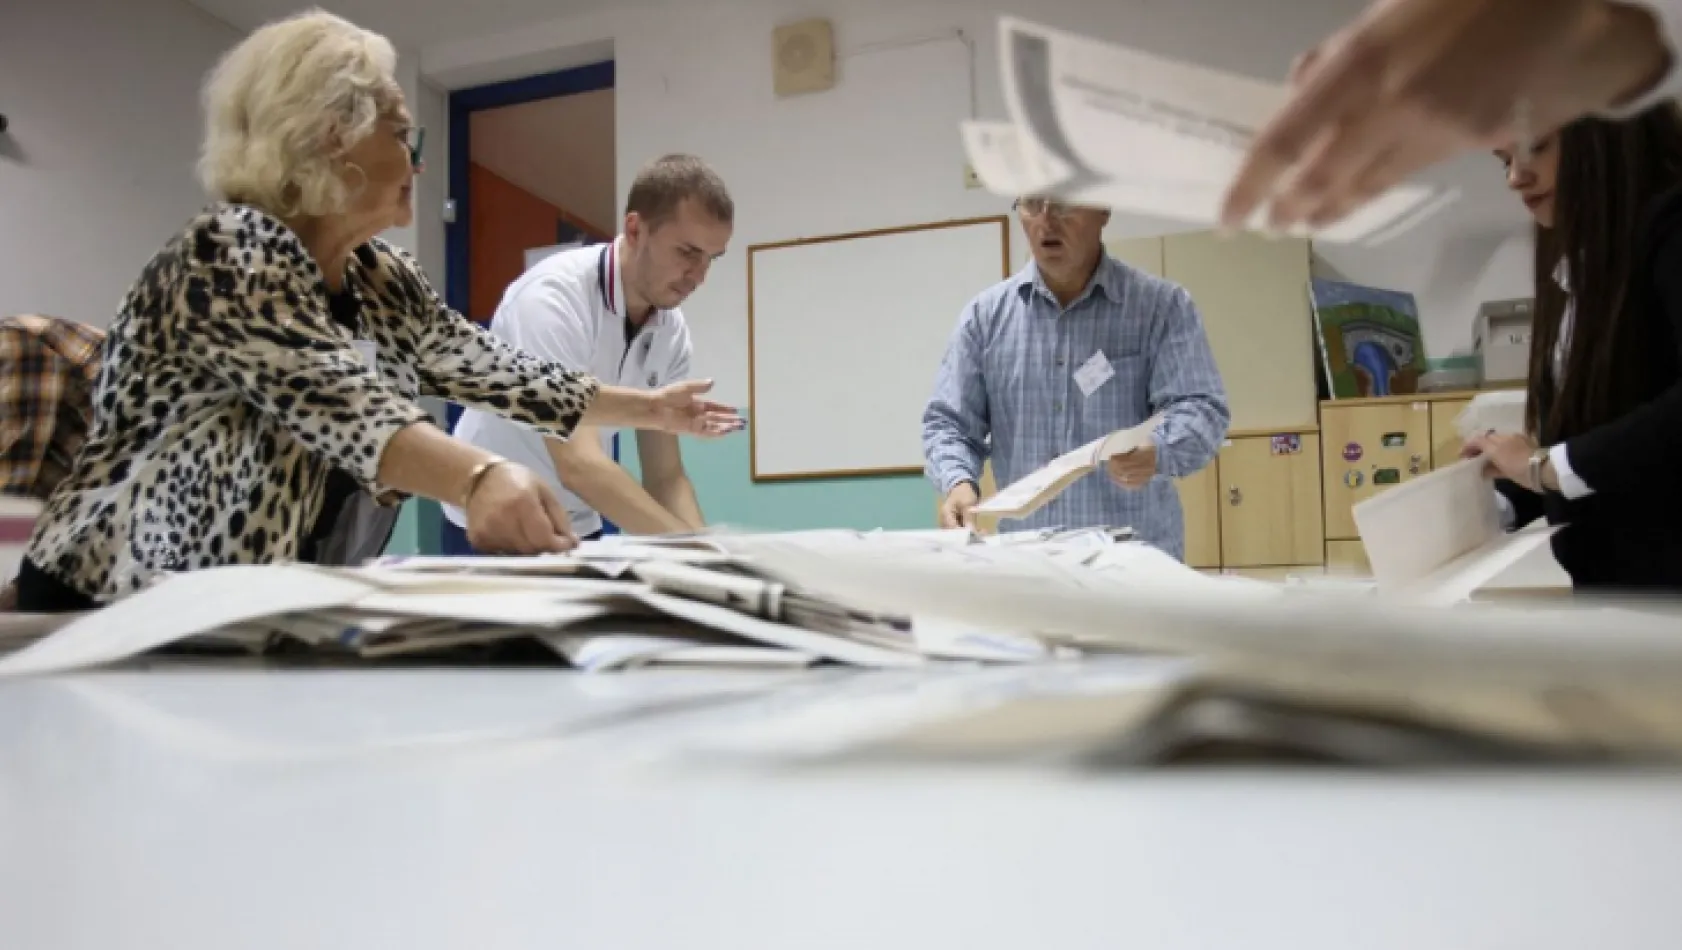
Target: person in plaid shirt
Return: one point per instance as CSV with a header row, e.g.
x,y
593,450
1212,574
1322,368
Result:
x,y
47,371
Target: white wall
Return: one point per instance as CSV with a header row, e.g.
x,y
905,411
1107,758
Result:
x,y
883,149
96,171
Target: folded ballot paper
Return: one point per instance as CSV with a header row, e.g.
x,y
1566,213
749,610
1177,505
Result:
x,y
1438,538
1031,492
1100,124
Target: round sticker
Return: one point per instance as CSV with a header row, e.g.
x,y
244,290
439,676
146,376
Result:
x,y
1352,452
1353,478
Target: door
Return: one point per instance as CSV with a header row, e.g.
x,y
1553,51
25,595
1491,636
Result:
x,y
1445,435
1200,500
1367,448
1270,503
1252,294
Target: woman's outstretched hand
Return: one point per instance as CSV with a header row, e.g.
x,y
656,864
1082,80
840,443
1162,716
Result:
x,y
679,409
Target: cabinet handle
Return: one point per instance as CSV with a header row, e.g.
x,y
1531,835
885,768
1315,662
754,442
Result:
x,y
1234,496
1415,464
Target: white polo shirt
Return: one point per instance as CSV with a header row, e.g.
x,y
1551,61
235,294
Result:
x,y
569,309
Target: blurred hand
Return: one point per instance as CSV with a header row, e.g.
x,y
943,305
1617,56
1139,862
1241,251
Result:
x,y
512,511
957,508
679,409
1135,469
1412,82
1508,456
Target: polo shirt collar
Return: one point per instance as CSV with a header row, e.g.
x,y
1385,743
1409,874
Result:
x,y
610,282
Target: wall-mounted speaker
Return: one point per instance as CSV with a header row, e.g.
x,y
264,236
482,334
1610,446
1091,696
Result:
x,y
803,57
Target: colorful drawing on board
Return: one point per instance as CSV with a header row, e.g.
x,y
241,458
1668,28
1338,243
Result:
x,y
1370,344
1387,476
1352,452
1289,444
1395,440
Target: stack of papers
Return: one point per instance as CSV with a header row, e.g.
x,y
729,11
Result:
x,y
1093,123
609,605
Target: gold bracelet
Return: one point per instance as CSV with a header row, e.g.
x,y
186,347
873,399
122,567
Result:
x,y
478,475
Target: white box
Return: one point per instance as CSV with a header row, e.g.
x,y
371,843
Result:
x,y
1501,340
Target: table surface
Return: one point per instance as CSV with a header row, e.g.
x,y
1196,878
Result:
x,y
205,809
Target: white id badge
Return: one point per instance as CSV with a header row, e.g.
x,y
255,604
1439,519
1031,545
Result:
x,y
369,351
1094,373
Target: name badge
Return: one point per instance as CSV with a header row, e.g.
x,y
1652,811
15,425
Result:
x,y
1094,373
369,351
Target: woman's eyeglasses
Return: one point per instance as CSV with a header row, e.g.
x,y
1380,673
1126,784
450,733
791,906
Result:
x,y
414,138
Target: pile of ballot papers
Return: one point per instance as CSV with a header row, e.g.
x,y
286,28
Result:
x,y
610,604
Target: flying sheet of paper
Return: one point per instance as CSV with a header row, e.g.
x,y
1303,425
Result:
x,y
1108,125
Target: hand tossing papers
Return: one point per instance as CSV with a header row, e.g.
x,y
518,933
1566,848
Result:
x,y
1098,124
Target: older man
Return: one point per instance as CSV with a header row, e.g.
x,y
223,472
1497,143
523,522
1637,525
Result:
x,y
1075,346
47,370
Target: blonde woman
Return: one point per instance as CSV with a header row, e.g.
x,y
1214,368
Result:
x,y
265,366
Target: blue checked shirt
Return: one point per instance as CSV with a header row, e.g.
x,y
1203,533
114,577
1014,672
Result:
x,y
1006,386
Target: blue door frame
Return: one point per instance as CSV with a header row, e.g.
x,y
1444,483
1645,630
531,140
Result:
x,y
463,103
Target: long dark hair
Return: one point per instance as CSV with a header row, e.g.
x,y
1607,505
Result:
x,y
1610,174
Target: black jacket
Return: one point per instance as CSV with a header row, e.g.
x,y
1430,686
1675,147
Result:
x,y
1628,533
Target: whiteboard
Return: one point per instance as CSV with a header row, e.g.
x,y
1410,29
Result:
x,y
845,336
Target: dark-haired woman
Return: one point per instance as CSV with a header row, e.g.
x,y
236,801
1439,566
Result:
x,y
1603,451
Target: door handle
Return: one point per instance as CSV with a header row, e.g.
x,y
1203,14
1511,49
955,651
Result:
x,y
1415,464
1234,496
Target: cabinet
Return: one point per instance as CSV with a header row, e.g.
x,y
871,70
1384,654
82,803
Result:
x,y
1445,435
1369,447
1270,509
1252,294
1200,501
1347,557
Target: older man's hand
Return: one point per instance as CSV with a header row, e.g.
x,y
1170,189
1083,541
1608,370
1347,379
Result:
x,y
1134,469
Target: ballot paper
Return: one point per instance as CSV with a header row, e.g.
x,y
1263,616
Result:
x,y
1101,124
1034,490
1438,538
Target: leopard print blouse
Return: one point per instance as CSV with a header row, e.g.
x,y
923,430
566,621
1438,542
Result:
x,y
228,394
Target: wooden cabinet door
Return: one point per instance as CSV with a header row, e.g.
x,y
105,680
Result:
x,y
1445,436
1368,448
1252,293
1348,557
1200,500
1270,504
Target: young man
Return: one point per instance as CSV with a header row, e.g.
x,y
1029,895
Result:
x,y
1074,347
47,371
613,310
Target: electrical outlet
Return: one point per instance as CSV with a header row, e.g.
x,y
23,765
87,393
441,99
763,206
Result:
x,y
971,179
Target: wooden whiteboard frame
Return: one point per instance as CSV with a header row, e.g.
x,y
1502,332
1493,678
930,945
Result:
x,y
1003,222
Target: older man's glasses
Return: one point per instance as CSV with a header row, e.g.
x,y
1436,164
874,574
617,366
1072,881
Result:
x,y
1034,207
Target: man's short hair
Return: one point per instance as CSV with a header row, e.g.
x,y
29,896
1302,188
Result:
x,y
664,183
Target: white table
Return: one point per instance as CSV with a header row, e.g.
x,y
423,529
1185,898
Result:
x,y
214,810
